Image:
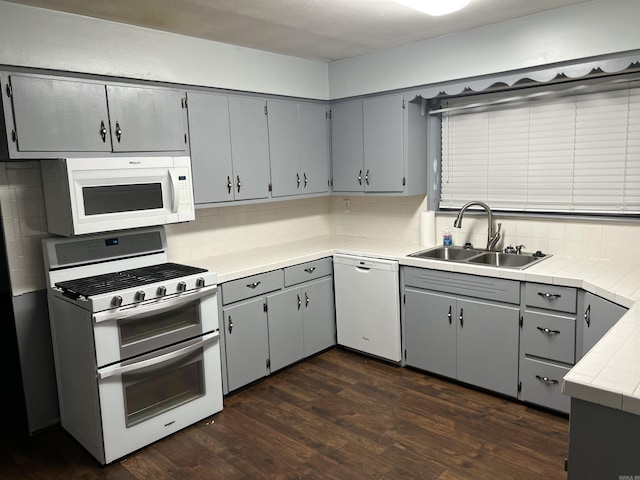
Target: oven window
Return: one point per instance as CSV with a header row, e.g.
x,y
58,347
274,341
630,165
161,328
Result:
x,y
147,396
122,198
135,331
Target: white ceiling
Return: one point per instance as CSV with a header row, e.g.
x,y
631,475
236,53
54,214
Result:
x,y
316,29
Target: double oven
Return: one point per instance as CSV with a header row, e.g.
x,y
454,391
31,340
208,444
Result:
x,y
136,339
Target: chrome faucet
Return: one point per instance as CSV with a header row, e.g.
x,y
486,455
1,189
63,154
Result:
x,y
492,237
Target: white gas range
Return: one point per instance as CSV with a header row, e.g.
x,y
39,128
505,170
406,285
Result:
x,y
135,337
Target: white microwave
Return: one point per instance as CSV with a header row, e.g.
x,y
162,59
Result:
x,y
90,195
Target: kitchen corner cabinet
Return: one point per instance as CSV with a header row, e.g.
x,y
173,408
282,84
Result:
x,y
298,147
229,148
449,333
50,117
379,145
596,317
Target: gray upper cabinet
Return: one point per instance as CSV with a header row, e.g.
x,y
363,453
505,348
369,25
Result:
x,y
55,115
379,145
347,147
146,119
210,139
47,116
383,142
298,147
249,147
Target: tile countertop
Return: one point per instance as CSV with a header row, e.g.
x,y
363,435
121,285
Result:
x,y
609,374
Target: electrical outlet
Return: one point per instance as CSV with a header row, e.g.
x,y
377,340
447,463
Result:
x,y
347,205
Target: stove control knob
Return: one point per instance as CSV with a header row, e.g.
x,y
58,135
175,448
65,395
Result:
x,y
200,282
162,291
139,296
182,286
116,301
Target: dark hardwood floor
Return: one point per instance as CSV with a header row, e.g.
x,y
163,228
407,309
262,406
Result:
x,y
340,416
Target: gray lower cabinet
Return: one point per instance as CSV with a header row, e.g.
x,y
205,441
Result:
x,y
597,316
547,344
301,322
274,319
379,145
52,116
246,342
472,340
298,147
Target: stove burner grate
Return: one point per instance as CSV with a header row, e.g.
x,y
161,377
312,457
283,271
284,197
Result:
x,y
136,277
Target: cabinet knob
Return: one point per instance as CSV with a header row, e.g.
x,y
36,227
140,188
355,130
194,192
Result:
x,y
298,180
229,185
366,177
306,300
548,331
461,318
360,177
230,325
118,132
547,380
253,285
587,316
306,180
299,302
103,132
239,183
548,295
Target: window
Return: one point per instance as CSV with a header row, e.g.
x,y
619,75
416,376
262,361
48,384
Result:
x,y
561,152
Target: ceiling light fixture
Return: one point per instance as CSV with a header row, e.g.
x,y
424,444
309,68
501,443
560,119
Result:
x,y
434,7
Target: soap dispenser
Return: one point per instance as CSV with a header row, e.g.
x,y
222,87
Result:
x,y
447,239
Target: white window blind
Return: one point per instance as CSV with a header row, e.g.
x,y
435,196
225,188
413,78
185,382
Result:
x,y
578,153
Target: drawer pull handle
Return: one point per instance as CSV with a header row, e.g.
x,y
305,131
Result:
x,y
310,269
549,295
253,285
548,331
548,380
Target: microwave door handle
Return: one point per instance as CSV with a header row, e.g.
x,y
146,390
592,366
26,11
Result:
x,y
137,366
176,195
154,307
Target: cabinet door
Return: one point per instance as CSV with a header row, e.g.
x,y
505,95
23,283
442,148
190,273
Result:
x,y
284,148
383,144
146,119
430,326
246,342
314,147
210,140
54,115
598,317
249,147
285,328
319,316
487,346
347,147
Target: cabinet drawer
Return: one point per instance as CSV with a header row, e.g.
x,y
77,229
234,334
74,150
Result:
x,y
252,286
549,336
542,384
307,271
551,297
486,288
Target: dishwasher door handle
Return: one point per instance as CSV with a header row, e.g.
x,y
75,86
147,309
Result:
x,y
363,269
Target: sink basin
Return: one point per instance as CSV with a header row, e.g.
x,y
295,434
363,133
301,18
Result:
x,y
447,253
499,259
479,257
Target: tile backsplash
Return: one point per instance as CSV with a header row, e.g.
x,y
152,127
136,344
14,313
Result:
x,y
232,228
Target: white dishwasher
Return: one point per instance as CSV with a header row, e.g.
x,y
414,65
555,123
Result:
x,y
367,295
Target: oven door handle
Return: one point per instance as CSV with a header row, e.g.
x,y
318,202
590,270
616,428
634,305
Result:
x,y
119,369
154,307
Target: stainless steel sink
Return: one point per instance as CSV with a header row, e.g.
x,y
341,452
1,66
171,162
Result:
x,y
480,257
509,260
447,253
